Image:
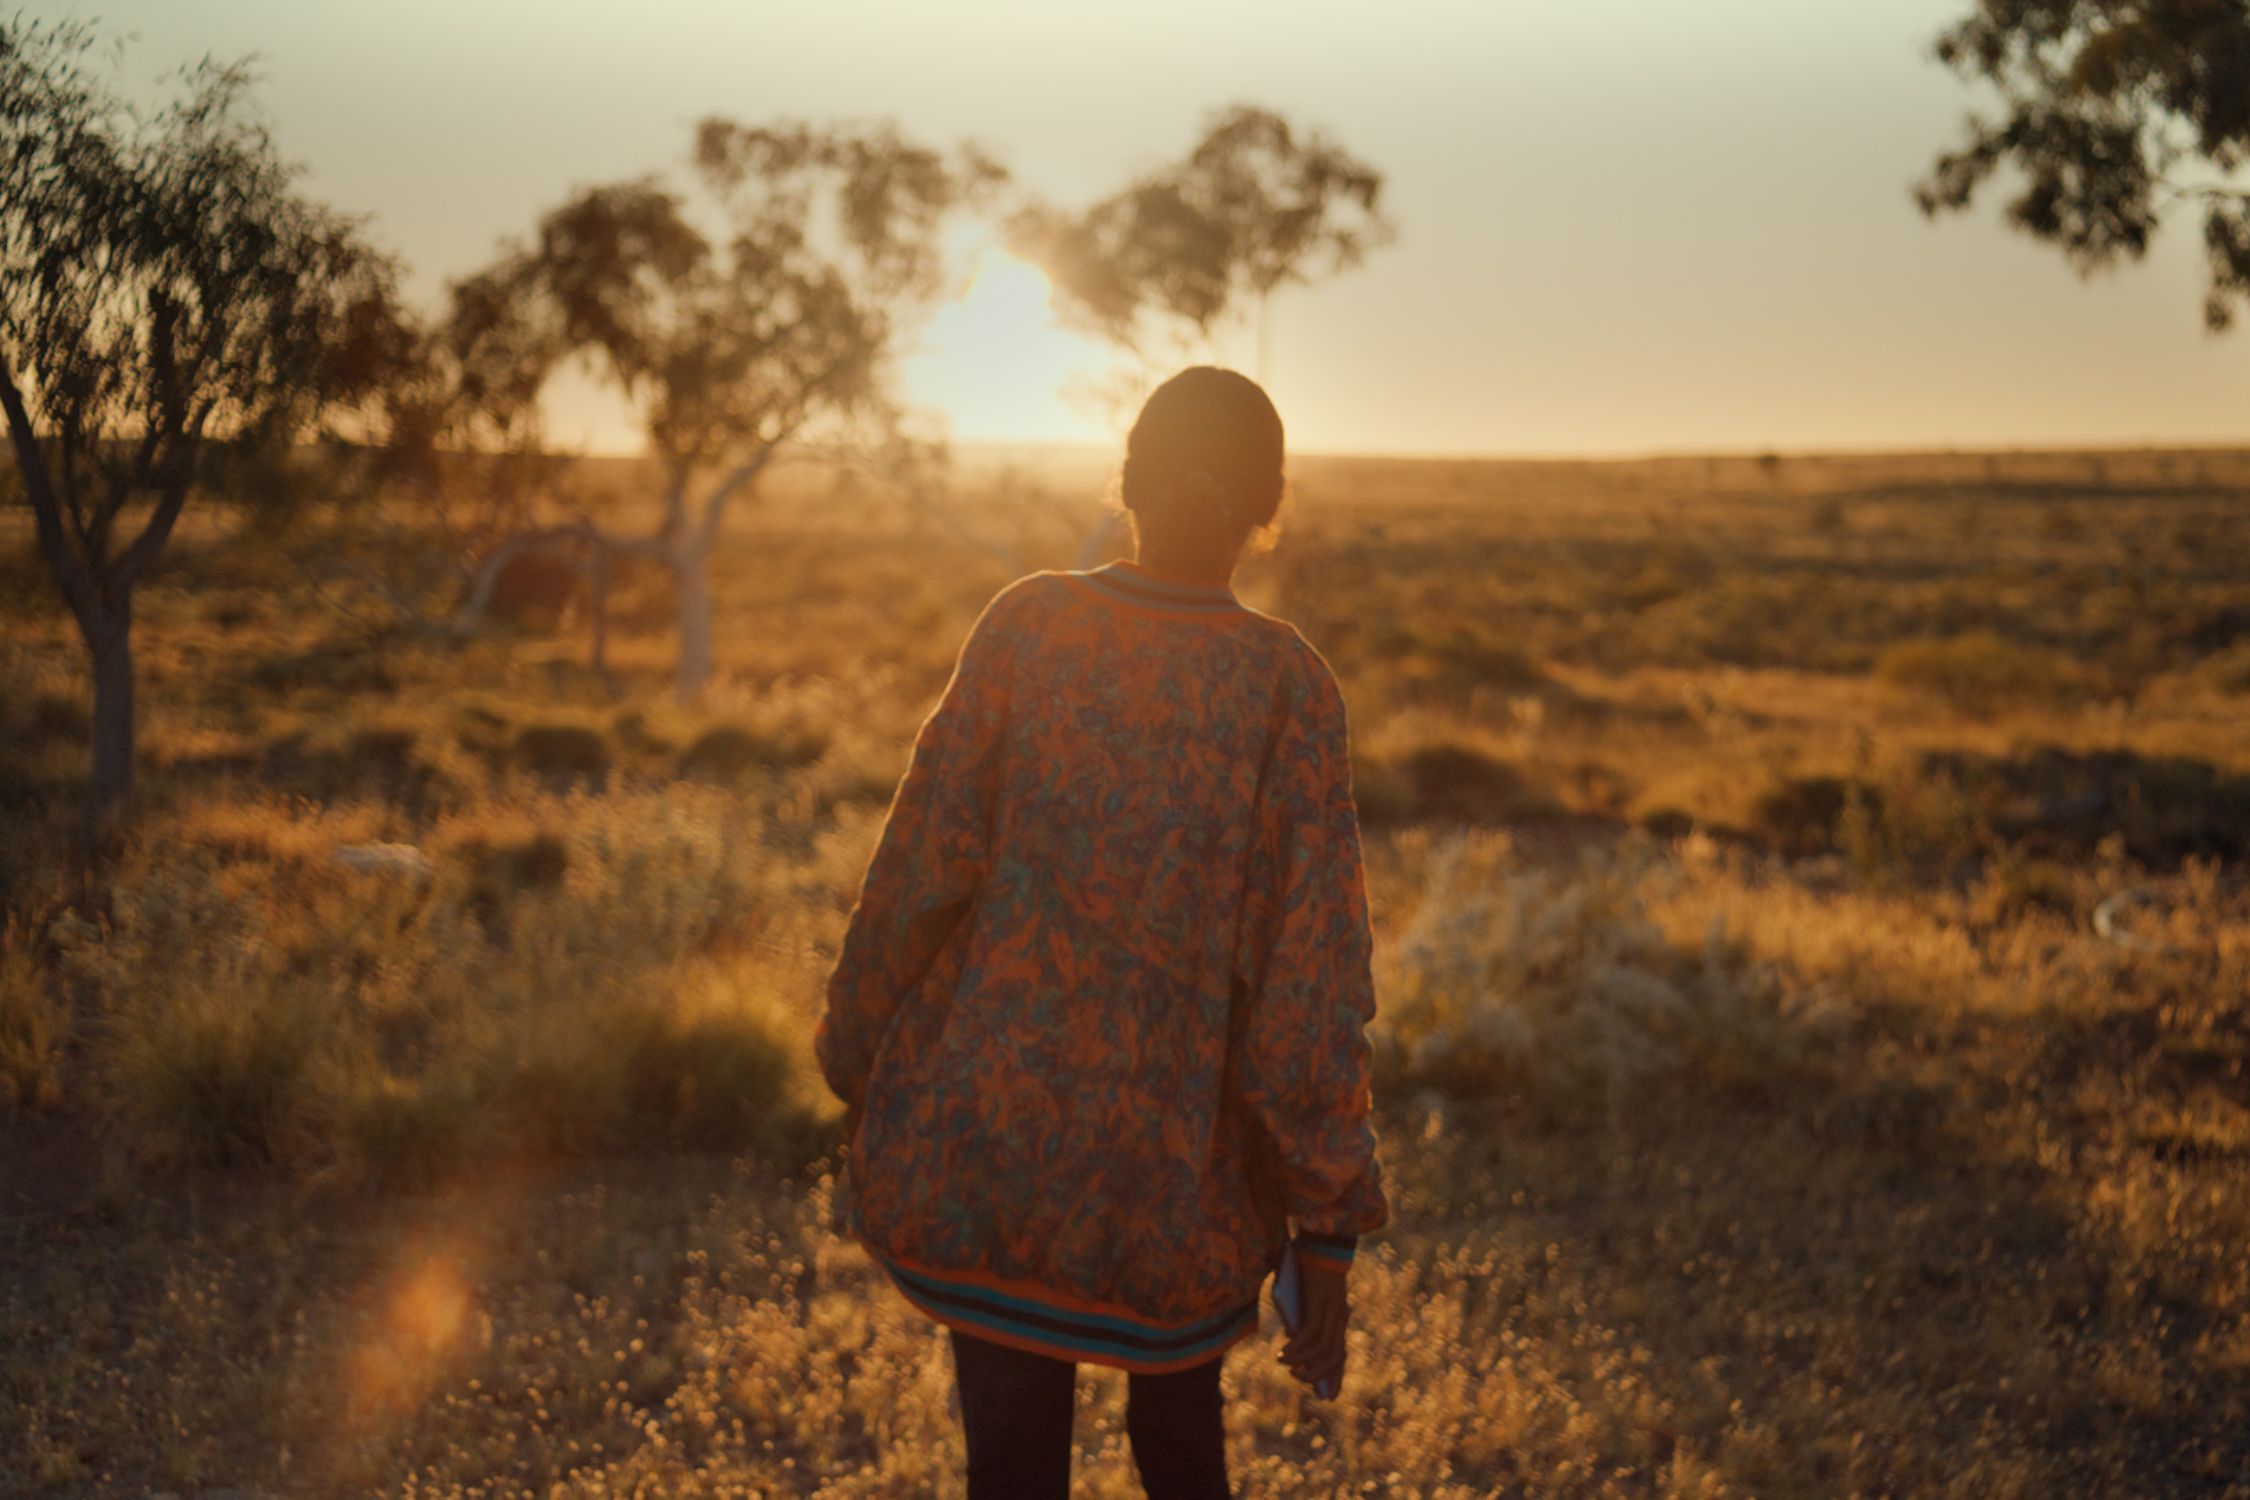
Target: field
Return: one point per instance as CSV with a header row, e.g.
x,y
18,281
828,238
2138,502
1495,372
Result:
x,y
1814,1051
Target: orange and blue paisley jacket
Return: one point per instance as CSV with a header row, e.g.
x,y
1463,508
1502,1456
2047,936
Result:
x,y
1101,1006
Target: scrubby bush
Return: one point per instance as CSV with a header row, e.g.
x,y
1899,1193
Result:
x,y
1508,979
2227,671
1452,661
58,716
1909,826
608,986
34,1028
396,1132
215,1073
562,752
1446,781
729,750
1981,670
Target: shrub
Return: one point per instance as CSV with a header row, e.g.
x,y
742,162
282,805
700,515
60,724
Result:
x,y
382,752
1797,815
34,1028
1980,670
728,750
2227,671
535,588
408,1133
1506,979
2060,802
1449,782
336,667
1911,826
1455,660
218,1074
562,752
536,861
370,763
58,716
708,1079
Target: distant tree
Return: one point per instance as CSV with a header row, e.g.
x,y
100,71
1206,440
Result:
x,y
464,428
461,434
163,292
1257,204
2115,112
760,310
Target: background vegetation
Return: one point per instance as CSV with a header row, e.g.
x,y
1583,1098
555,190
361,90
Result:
x,y
1815,957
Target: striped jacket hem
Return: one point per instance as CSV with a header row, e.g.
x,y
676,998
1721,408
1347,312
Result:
x,y
1023,1316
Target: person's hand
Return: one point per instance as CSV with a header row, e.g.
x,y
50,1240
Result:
x,y
1316,1351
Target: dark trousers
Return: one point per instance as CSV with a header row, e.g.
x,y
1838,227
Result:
x,y
1016,1408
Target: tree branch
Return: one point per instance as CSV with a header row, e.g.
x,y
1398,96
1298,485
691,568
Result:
x,y
178,481
72,576
488,571
2201,193
135,559
746,473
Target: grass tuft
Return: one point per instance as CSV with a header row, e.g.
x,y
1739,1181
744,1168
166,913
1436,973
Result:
x,y
34,1028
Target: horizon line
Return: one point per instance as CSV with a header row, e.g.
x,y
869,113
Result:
x,y
1754,453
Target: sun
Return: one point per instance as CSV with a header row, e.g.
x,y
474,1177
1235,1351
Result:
x,y
995,361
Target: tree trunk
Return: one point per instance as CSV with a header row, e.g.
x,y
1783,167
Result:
x,y
597,602
691,574
111,644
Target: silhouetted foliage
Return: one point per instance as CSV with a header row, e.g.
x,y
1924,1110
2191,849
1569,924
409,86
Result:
x,y
1256,205
163,291
2115,112
746,314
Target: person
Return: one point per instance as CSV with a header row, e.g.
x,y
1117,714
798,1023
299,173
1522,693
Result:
x,y
1098,1019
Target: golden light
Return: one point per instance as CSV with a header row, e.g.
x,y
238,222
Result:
x,y
995,362
418,1319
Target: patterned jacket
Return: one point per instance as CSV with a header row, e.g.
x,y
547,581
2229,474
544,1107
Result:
x,y
1101,1005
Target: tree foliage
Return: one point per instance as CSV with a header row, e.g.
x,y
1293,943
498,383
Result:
x,y
163,290
2114,113
1255,205
752,306
767,295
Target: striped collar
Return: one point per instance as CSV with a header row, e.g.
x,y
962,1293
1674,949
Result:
x,y
1129,583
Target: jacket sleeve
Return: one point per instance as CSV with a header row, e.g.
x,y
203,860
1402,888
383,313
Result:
x,y
931,859
1303,965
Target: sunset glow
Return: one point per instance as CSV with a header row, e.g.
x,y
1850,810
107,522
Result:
x,y
883,749
996,363
1642,227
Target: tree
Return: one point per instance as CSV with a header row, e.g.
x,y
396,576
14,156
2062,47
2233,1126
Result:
x,y
460,431
1256,205
762,309
2115,112
162,291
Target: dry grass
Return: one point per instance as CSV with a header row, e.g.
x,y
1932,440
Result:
x,y
1766,1116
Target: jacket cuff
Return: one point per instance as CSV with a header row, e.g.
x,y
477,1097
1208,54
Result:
x,y
1331,1252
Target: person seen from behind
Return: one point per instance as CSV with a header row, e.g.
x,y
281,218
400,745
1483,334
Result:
x,y
1098,1020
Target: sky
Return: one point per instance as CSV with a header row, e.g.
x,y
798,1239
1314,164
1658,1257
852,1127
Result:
x,y
1630,227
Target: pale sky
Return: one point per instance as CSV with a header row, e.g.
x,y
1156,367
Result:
x,y
1625,227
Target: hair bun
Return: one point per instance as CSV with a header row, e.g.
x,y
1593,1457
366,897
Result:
x,y
1200,486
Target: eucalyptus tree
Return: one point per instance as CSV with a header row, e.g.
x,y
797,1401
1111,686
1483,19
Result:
x,y
1154,268
2113,115
1256,205
164,291
760,304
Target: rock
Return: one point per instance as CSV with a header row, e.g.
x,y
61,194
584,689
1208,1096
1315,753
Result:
x,y
385,859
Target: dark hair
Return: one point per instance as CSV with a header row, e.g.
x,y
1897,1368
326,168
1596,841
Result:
x,y
1203,462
